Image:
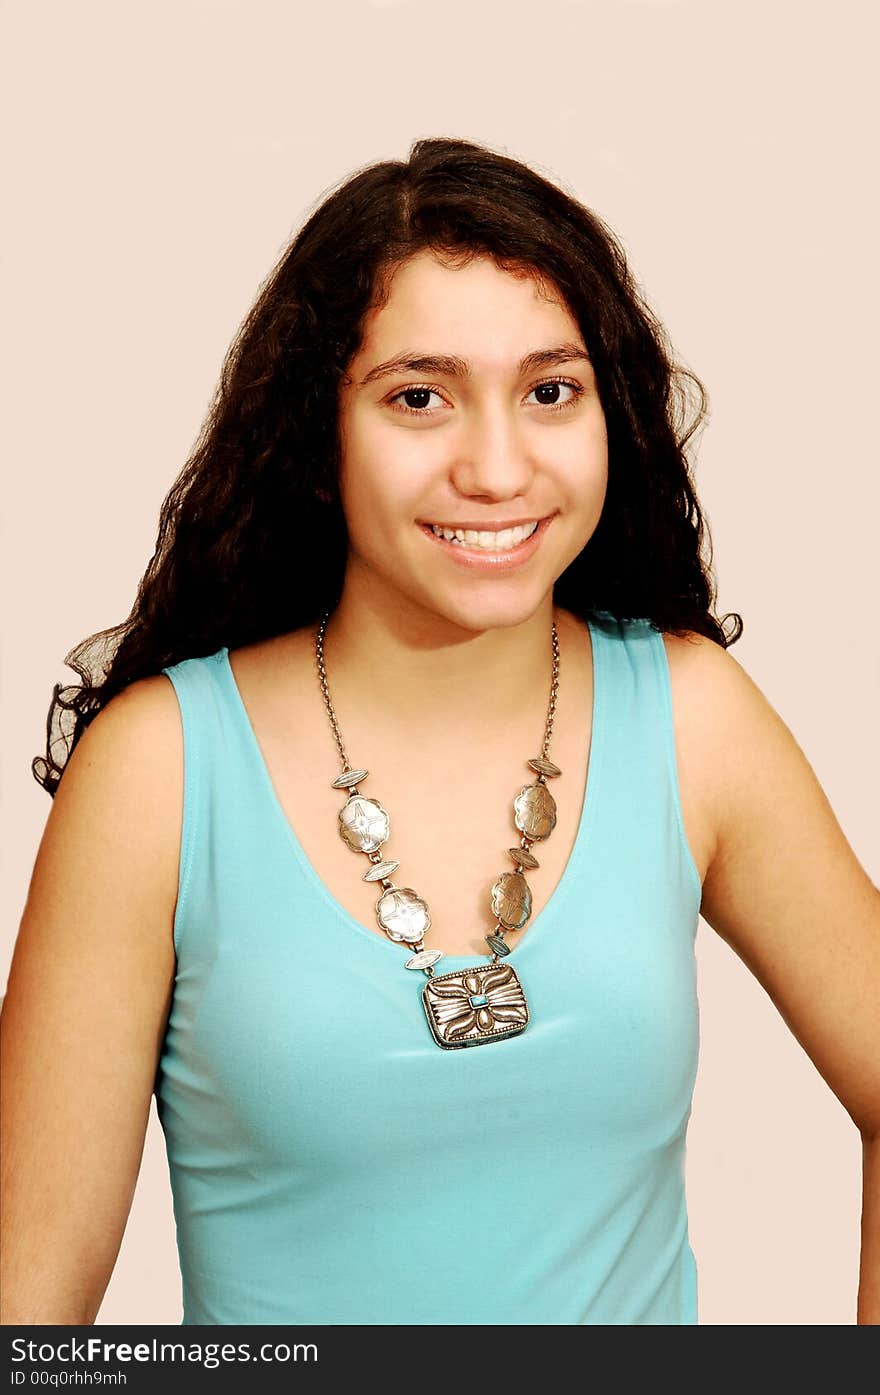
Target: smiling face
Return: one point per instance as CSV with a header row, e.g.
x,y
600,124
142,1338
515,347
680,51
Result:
x,y
503,427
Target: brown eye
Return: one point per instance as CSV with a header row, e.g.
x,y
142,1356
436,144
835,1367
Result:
x,y
417,400
553,385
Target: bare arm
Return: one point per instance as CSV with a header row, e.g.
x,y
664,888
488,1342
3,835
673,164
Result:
x,y
85,1009
785,890
868,1303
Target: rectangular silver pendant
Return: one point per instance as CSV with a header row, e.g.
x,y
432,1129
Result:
x,y
468,1007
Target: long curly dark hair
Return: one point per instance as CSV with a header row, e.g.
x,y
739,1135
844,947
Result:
x,y
252,539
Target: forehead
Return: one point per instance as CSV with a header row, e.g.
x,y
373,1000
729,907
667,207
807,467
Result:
x,y
477,310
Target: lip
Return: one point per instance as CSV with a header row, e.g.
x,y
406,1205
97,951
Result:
x,y
478,560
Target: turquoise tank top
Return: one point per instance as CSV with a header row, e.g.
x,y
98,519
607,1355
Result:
x,y
329,1162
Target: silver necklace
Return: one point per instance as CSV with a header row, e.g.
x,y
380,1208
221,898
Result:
x,y
484,1002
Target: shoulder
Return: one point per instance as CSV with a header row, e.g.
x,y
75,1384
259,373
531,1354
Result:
x,y
720,697
137,733
704,673
98,919
713,703
698,664
737,740
123,785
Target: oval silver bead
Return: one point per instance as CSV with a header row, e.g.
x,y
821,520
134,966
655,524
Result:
x,y
423,959
523,858
349,778
497,945
379,871
363,823
511,900
534,811
403,914
544,766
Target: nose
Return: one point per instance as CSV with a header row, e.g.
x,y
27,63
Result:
x,y
492,459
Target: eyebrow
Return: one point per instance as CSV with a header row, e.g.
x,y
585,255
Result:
x,y
451,366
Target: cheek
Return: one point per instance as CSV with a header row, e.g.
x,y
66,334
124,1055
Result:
x,y
383,472
380,498
360,473
584,471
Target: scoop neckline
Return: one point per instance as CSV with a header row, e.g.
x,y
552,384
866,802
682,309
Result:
x,y
385,945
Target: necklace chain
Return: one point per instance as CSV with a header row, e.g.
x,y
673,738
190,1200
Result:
x,y
483,1002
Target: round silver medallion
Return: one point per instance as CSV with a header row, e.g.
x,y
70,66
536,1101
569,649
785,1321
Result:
x,y
363,823
511,900
535,811
403,914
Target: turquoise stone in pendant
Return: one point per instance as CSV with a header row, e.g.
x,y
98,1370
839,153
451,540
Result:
x,y
479,1000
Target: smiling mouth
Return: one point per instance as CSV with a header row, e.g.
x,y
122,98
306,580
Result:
x,y
484,539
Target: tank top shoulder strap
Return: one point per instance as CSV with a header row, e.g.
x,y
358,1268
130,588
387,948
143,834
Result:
x,y
195,682
641,785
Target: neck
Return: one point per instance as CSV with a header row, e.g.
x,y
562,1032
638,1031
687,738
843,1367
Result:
x,y
422,667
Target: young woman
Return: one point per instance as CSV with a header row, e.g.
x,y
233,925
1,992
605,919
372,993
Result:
x,y
429,595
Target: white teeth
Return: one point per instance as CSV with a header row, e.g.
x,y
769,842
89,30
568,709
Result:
x,y
491,541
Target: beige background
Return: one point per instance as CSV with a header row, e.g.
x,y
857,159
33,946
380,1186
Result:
x,y
158,157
